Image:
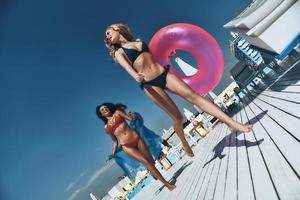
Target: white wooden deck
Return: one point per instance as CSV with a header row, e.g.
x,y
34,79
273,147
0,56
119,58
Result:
x,y
263,164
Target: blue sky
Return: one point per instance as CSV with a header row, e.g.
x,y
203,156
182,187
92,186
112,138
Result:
x,y
54,70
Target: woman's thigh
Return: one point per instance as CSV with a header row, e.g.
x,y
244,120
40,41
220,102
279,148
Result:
x,y
162,99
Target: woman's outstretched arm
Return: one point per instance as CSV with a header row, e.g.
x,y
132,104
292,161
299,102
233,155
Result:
x,y
115,144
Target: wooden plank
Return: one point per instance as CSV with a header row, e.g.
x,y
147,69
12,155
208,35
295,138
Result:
x,y
291,108
230,190
190,176
285,179
203,181
289,122
263,186
288,96
200,172
209,189
223,167
285,89
245,189
288,144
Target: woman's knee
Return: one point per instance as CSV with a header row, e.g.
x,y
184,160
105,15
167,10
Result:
x,y
151,160
192,97
145,161
177,118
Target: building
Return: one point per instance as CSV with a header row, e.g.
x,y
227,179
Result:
x,y
242,74
269,25
241,49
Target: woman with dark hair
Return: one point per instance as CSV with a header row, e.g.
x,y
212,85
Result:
x,y
129,140
135,58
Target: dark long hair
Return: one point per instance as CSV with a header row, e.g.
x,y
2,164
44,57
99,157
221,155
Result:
x,y
112,109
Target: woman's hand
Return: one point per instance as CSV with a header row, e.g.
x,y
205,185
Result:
x,y
124,115
131,114
139,77
109,159
120,57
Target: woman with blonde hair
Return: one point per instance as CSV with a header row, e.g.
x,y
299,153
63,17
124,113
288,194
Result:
x,y
135,58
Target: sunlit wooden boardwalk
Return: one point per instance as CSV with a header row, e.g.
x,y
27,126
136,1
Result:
x,y
262,164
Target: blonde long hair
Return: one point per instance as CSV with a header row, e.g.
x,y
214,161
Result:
x,y
124,31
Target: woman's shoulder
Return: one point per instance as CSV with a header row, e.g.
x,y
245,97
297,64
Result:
x,y
118,51
140,40
117,112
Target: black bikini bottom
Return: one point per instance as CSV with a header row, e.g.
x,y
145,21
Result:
x,y
159,81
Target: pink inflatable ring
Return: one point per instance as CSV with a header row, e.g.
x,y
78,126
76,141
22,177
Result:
x,y
197,42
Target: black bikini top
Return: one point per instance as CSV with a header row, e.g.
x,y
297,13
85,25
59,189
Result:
x,y
132,54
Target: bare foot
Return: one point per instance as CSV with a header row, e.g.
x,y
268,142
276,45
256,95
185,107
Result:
x,y
188,151
241,127
170,186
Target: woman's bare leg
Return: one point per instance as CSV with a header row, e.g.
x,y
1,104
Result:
x,y
137,155
182,89
145,151
162,99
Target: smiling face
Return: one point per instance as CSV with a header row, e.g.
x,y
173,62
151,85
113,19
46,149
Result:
x,y
112,36
105,112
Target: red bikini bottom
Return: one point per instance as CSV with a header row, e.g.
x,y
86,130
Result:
x,y
132,144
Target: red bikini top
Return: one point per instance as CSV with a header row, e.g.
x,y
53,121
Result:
x,y
117,120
